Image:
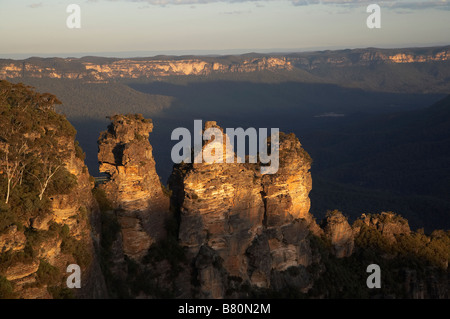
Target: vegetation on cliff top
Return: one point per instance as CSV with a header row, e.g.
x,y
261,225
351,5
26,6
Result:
x,y
32,153
36,143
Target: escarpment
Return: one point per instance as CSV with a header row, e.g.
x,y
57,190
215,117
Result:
x,y
109,69
148,68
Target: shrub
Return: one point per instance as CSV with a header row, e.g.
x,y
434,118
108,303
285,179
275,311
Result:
x,y
9,258
59,292
79,153
78,249
48,274
166,191
7,218
35,238
6,289
62,183
103,202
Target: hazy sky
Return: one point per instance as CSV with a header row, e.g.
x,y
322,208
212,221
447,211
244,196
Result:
x,y
189,26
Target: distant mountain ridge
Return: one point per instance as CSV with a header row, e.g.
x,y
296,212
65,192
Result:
x,y
368,56
100,69
106,69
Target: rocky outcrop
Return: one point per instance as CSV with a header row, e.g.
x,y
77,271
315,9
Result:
x,y
286,192
220,206
47,224
12,239
276,252
339,232
388,237
21,270
134,188
255,225
73,212
388,224
125,155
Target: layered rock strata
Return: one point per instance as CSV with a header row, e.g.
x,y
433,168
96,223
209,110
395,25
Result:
x,y
340,233
133,188
107,69
77,214
256,225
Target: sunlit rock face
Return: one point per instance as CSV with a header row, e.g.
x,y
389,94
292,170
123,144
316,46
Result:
x,y
255,225
133,69
109,69
134,187
388,224
286,193
220,205
340,233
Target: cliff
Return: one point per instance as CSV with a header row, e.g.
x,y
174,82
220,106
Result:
x,y
369,56
94,69
133,188
256,225
151,68
49,214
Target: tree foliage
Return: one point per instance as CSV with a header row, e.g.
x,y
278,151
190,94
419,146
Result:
x,y
34,143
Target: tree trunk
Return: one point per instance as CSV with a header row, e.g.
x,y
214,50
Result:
x,y
7,192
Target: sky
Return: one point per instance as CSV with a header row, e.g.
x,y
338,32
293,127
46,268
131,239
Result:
x,y
149,27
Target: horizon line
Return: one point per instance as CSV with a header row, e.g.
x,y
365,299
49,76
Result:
x,y
205,52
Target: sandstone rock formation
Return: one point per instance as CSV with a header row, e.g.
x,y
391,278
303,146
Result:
x,y
12,239
75,213
387,223
278,250
236,233
255,225
134,188
338,230
220,206
286,193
